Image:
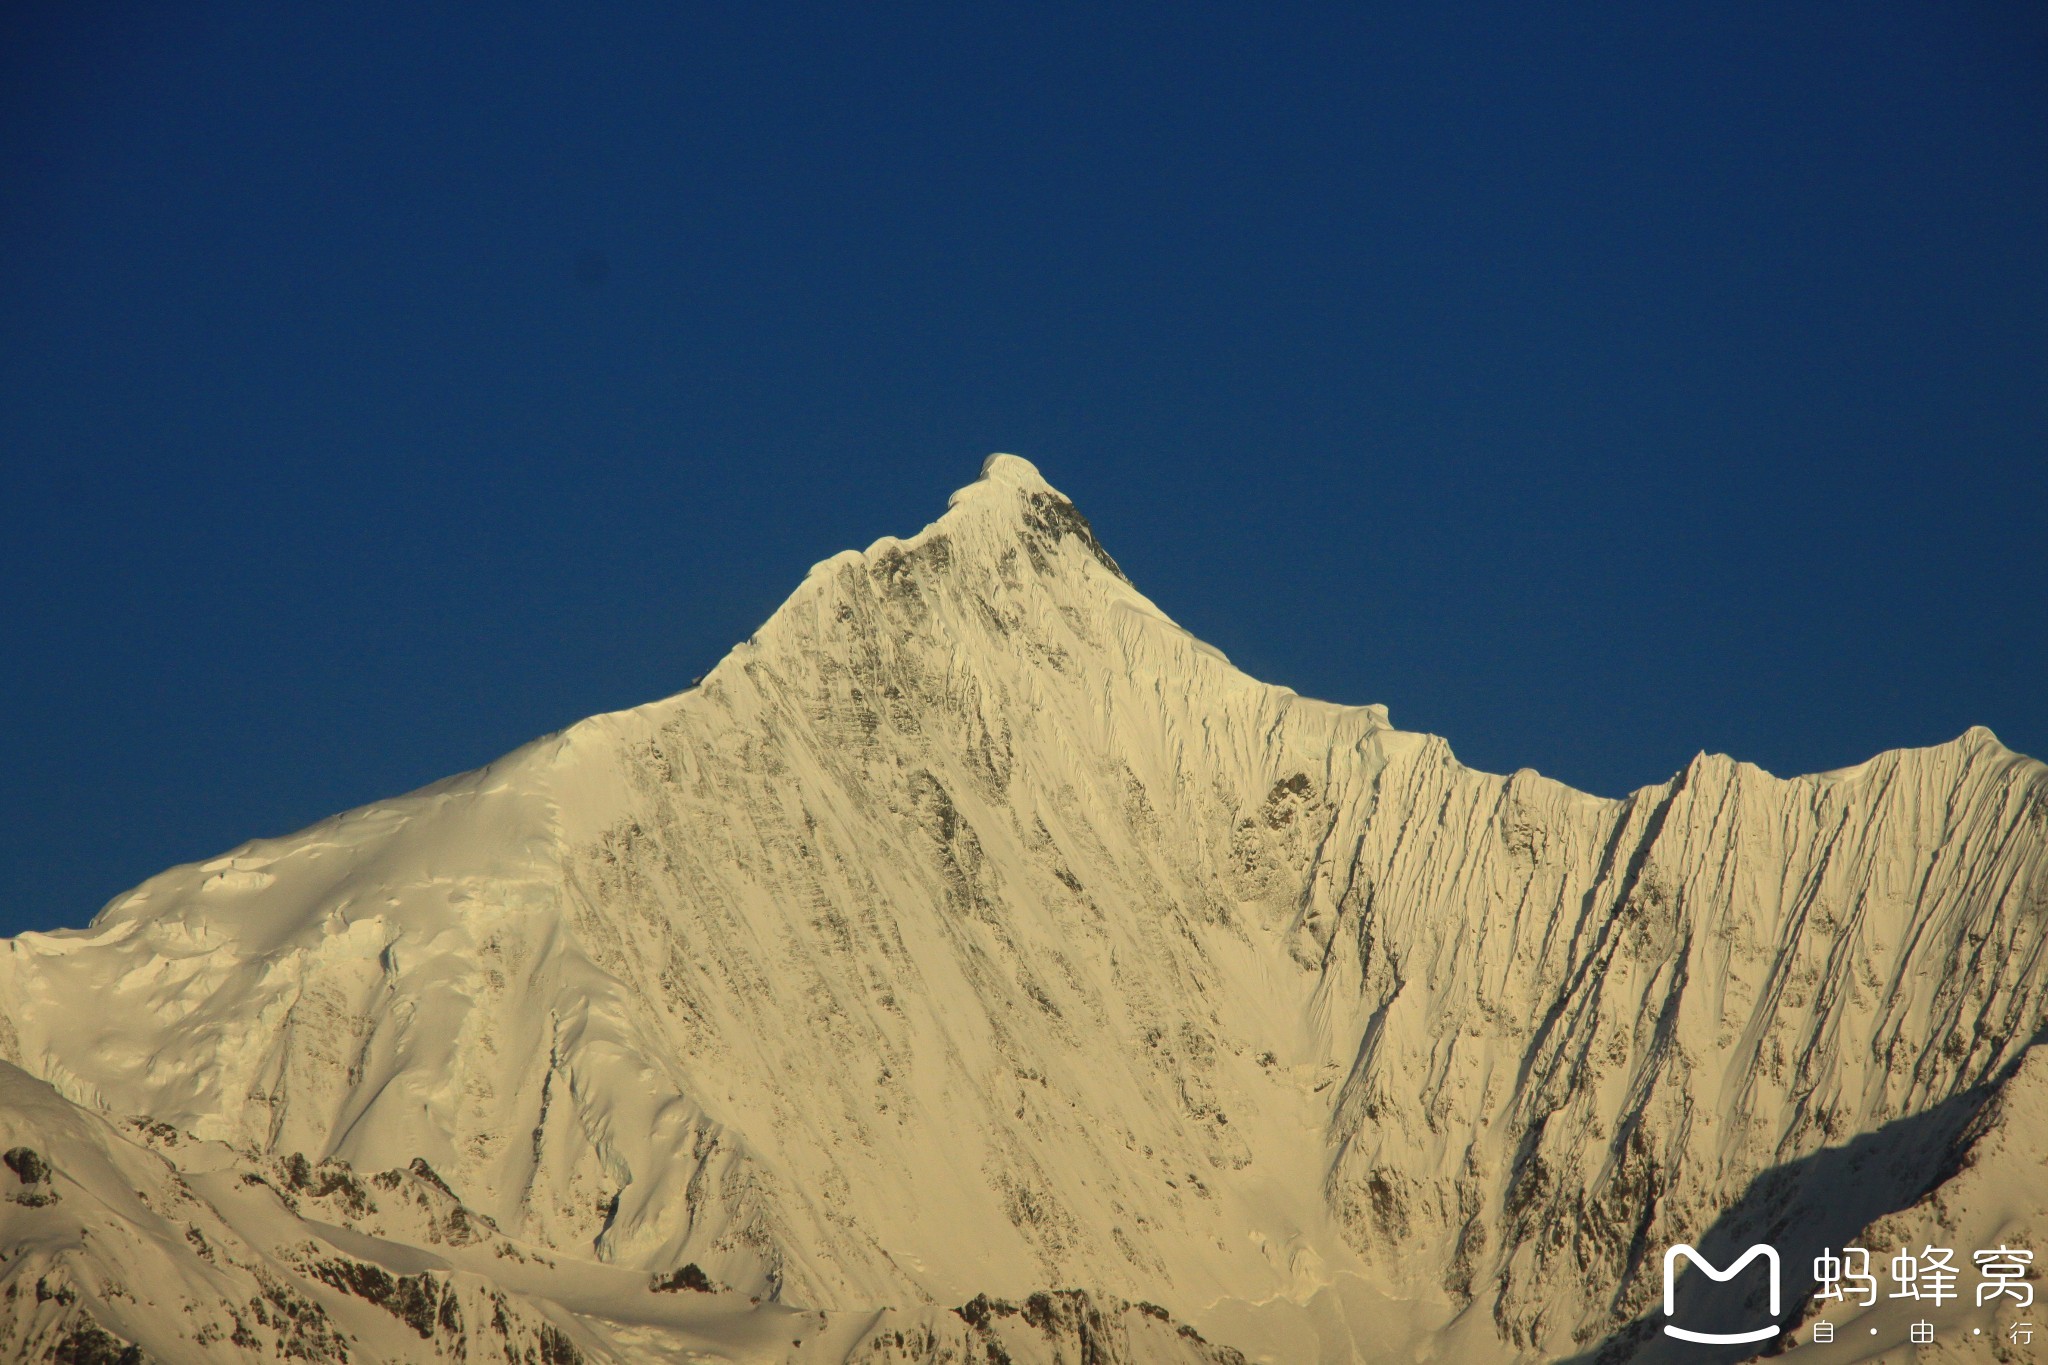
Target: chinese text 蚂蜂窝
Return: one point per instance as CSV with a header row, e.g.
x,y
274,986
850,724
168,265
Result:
x,y
1930,1275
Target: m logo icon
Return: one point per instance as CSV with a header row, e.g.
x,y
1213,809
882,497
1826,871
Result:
x,y
1707,1268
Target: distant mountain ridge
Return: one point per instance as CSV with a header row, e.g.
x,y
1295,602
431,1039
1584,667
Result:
x,y
973,932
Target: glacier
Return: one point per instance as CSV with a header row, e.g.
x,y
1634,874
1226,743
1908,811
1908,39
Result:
x,y
974,966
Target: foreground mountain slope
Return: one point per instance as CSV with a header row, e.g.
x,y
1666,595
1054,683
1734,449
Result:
x,y
140,1242
972,929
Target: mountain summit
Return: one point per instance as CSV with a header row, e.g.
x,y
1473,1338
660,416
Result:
x,y
975,966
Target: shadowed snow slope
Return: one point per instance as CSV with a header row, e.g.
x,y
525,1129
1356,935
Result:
x,y
973,929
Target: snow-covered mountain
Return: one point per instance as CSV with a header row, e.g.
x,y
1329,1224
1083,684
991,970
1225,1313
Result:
x,y
972,933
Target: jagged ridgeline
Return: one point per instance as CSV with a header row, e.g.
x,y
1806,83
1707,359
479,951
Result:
x,y
975,966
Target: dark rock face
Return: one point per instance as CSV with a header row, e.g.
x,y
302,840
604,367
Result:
x,y
90,1344
691,1277
1050,519
34,1174
419,1301
1072,1324
27,1165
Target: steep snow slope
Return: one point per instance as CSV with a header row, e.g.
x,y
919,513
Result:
x,y
106,1238
1994,1194
187,1251
974,929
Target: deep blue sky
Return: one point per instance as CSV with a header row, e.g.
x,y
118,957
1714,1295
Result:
x,y
383,386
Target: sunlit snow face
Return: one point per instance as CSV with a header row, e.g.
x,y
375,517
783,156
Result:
x,y
973,930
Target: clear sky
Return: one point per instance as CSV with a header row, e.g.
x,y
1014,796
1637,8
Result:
x,y
382,386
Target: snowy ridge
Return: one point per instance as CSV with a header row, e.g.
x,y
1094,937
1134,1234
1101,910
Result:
x,y
974,930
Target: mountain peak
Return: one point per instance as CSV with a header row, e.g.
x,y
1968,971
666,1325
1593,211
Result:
x,y
1012,469
1048,515
1004,476
974,929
